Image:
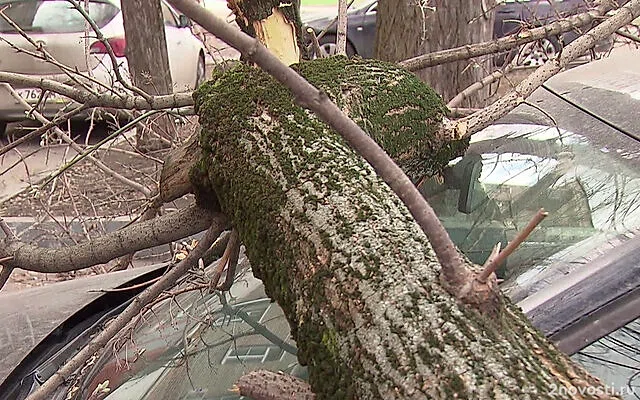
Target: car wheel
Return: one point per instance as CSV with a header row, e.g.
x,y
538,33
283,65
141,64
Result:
x,y
537,53
329,48
201,70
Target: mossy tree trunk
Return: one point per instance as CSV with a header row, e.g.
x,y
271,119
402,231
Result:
x,y
357,278
409,28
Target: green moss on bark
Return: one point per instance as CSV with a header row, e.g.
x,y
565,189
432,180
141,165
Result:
x,y
354,274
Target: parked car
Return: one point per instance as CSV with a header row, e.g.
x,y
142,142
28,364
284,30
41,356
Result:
x,y
577,277
59,29
511,16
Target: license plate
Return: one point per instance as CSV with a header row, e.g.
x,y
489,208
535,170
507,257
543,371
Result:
x,y
33,95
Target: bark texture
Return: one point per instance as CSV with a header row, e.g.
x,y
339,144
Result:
x,y
148,60
408,28
340,253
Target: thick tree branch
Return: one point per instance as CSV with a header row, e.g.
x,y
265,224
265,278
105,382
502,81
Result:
x,y
467,126
309,97
161,230
508,42
127,317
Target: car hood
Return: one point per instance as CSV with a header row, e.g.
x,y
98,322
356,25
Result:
x,y
30,315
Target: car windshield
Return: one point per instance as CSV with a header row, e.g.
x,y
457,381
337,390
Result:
x,y
590,186
53,16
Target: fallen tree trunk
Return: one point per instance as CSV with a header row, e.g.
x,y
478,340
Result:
x,y
336,248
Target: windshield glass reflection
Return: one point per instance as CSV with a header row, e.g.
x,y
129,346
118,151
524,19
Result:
x,y
589,187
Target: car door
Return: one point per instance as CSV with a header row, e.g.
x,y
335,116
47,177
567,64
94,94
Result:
x,y
182,60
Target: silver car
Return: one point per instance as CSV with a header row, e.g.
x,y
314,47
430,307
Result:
x,y
60,29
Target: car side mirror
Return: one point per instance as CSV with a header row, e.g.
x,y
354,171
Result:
x,y
183,21
465,176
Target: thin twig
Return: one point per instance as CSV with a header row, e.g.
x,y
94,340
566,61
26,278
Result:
x,y
128,315
521,237
476,86
7,231
133,184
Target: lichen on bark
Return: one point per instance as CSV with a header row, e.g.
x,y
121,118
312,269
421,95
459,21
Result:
x,y
340,253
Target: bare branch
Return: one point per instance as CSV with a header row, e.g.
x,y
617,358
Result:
x,y
53,123
453,267
143,235
127,317
508,42
483,118
135,185
521,237
89,99
489,79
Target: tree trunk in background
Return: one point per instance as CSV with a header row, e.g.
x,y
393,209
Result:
x,y
148,64
407,29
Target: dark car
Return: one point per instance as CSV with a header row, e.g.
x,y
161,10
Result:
x,y
511,16
577,277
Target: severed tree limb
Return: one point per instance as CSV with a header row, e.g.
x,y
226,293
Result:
x,y
233,247
161,230
127,316
467,126
268,385
453,267
508,42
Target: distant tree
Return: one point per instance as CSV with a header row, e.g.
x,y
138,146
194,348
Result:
x,y
408,28
148,61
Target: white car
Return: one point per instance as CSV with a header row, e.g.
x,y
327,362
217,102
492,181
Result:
x,y
60,29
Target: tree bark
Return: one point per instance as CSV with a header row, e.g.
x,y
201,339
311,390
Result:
x,y
335,247
148,62
407,29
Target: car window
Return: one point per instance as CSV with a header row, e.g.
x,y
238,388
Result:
x,y
590,190
54,16
615,359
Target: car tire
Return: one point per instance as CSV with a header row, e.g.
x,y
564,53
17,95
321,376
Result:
x,y
328,46
536,53
201,70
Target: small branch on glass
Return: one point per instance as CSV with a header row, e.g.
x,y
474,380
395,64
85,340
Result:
x,y
493,262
